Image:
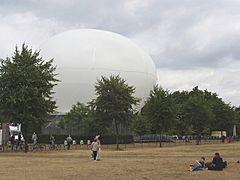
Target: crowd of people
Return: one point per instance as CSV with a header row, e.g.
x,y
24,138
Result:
x,y
95,146
16,142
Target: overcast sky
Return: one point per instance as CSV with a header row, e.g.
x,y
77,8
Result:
x,y
192,42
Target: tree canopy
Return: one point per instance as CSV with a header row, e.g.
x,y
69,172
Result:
x,y
114,102
160,111
26,83
196,112
82,118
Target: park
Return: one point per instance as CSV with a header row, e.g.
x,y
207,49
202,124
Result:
x,y
92,104
131,162
27,101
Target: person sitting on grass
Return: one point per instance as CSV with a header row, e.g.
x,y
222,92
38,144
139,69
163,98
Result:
x,y
217,163
199,165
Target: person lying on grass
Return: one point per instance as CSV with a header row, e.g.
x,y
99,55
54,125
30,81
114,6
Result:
x,y
199,165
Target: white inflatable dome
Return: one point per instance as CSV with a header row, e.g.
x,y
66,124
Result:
x,y
82,56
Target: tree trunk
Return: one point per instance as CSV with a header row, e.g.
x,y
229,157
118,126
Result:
x,y
26,146
25,136
141,141
5,135
117,134
160,140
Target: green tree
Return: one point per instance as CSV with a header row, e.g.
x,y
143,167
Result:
x,y
75,118
83,119
181,125
141,125
114,102
160,110
94,125
198,114
224,117
237,118
26,83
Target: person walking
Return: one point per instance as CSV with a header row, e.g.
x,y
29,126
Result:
x,y
99,147
69,141
19,140
34,139
12,140
52,142
95,149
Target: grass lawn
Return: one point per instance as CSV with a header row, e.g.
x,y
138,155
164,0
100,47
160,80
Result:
x,y
132,163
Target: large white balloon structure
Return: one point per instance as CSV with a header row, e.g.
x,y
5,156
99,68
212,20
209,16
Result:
x,y
84,55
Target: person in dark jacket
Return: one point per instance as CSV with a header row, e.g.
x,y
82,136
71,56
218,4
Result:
x,y
12,140
217,163
19,141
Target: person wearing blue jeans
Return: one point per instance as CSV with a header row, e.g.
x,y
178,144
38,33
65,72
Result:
x,y
199,165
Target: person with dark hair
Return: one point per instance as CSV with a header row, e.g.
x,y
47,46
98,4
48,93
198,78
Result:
x,y
69,141
199,165
52,142
34,139
19,141
217,163
95,148
223,138
12,140
99,147
198,139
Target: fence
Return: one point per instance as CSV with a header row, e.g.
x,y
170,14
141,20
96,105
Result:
x,y
78,146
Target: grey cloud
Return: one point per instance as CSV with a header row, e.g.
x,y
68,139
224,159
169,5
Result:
x,y
172,22
179,34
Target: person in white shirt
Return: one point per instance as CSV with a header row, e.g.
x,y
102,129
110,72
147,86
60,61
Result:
x,y
99,144
34,139
95,148
69,141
